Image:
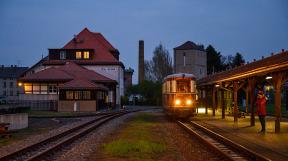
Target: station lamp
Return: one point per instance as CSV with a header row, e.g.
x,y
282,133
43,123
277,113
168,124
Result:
x,y
268,77
217,85
20,84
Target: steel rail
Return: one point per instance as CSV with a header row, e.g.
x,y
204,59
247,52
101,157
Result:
x,y
226,148
29,149
71,139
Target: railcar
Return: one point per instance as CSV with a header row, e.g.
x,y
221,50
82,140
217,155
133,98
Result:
x,y
179,95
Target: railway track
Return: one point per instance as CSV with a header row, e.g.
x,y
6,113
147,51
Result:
x,y
227,149
47,147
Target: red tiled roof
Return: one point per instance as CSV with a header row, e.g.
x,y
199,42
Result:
x,y
50,74
82,84
67,72
80,72
96,41
82,62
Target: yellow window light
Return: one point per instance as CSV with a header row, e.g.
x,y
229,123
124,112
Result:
x,y
177,102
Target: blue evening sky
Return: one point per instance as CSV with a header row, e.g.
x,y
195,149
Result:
x,y
254,28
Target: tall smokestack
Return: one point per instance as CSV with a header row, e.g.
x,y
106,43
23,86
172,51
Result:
x,y
141,62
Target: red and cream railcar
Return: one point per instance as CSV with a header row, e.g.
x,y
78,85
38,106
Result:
x,y
179,95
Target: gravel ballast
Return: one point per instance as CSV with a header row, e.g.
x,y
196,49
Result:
x,y
181,146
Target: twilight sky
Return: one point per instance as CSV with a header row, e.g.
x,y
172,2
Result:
x,y
251,27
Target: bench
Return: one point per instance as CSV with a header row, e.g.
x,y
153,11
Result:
x,y
4,130
241,114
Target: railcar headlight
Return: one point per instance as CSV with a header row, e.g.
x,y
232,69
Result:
x,y
189,102
177,102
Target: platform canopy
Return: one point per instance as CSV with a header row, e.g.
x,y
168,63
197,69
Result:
x,y
263,67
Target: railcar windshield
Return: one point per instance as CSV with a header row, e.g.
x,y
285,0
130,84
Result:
x,y
183,86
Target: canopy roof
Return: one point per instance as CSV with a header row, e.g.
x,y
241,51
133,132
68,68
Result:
x,y
268,65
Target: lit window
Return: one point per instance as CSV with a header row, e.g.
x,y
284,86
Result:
x,y
44,89
36,88
69,95
86,54
78,55
78,95
62,55
27,88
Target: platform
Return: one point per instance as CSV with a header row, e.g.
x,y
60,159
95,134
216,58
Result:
x,y
270,144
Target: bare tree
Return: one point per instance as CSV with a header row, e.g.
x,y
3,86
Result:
x,y
149,75
160,65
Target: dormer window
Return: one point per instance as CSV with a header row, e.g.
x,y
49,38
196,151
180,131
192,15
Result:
x,y
62,55
86,54
78,55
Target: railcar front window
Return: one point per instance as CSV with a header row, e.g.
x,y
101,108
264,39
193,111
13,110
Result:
x,y
183,86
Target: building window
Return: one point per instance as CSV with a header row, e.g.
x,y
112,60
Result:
x,y
62,55
4,93
78,55
44,89
11,93
77,95
86,54
184,59
27,88
4,84
11,84
200,71
36,88
18,93
69,95
86,95
52,89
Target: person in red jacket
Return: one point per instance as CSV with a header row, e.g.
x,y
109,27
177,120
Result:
x,y
261,109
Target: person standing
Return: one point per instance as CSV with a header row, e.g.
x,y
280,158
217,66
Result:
x,y
261,109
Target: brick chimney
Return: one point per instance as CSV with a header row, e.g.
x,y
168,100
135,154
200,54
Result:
x,y
141,62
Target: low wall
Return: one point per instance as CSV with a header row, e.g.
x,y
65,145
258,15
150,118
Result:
x,y
17,121
82,106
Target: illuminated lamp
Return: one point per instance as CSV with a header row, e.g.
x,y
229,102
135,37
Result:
x,y
268,77
217,85
20,84
177,102
189,102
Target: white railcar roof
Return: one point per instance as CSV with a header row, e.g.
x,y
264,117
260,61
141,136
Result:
x,y
179,75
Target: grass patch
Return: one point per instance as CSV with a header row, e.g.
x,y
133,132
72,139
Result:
x,y
137,140
137,148
18,135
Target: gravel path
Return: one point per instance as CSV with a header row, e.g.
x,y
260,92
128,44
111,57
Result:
x,y
55,126
83,148
180,143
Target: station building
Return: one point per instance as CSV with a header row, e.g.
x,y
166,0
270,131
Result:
x,y
84,75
